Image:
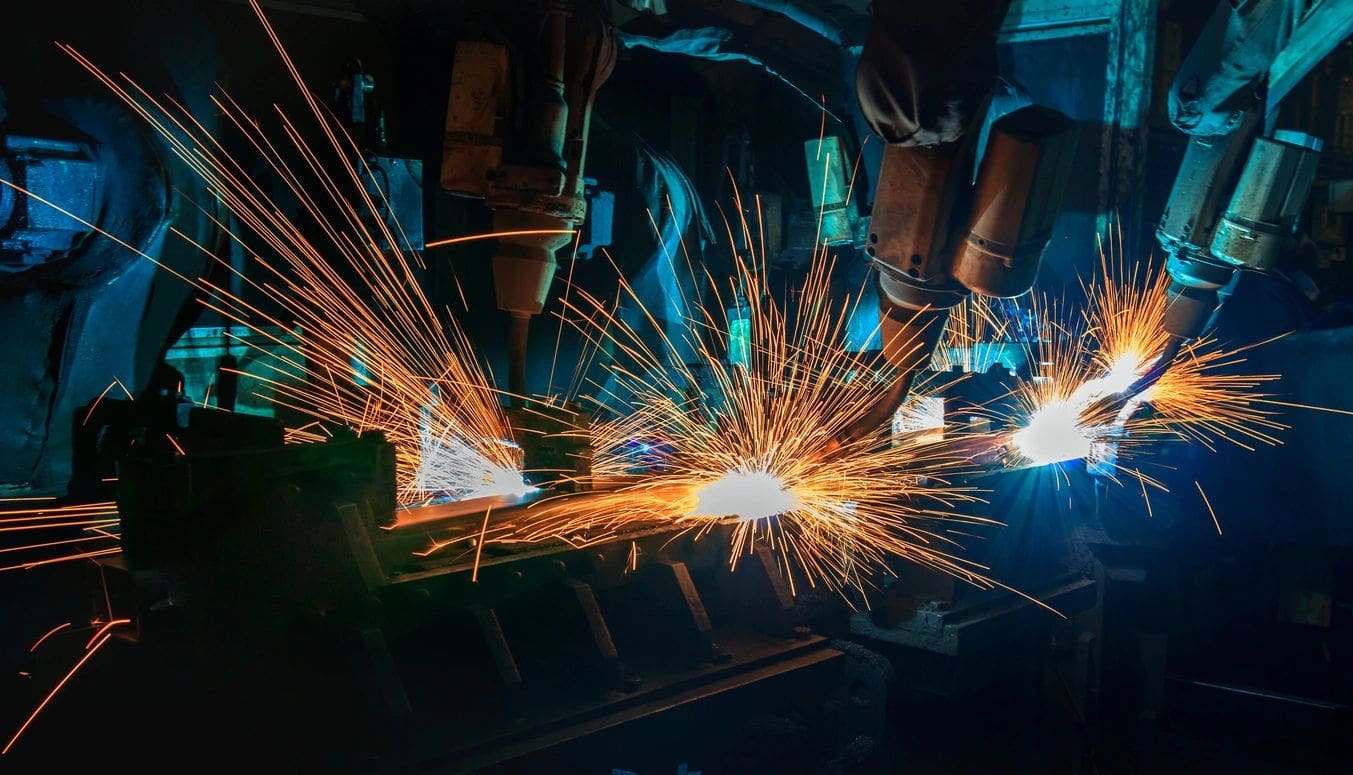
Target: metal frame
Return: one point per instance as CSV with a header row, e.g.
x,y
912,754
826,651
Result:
x,y
1129,27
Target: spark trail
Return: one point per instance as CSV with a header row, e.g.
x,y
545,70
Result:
x,y
347,283
1085,393
750,442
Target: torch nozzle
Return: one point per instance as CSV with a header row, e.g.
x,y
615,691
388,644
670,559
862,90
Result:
x,y
1113,403
1157,370
516,357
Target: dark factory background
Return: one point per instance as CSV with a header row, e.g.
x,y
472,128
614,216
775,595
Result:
x,y
252,615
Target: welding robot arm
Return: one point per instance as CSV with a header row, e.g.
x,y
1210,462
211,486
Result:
x,y
523,150
1241,188
924,81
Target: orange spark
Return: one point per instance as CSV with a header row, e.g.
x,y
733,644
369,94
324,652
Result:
x,y
1086,366
759,452
105,628
95,405
174,441
1208,503
496,235
89,653
479,544
373,353
49,634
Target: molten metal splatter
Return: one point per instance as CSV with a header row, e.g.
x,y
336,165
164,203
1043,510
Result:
x,y
1078,404
749,441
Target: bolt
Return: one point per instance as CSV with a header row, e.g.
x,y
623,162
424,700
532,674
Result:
x,y
630,682
803,633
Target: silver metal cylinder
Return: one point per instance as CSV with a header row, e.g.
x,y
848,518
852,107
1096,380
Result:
x,y
1210,165
1268,200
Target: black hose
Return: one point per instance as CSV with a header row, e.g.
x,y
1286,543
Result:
x,y
879,414
516,358
1158,369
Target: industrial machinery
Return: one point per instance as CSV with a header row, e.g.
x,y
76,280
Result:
x,y
370,636
1225,215
938,231
275,574
925,264
1242,186
524,149
88,308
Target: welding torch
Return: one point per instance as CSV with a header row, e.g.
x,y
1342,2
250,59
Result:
x,y
937,231
1207,244
1234,206
1240,190
523,150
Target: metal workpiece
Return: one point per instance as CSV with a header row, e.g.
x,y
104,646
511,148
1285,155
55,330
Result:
x,y
1268,201
972,628
210,515
1015,202
509,651
950,636
503,568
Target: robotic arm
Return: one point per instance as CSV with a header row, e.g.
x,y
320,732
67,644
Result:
x,y
523,150
1240,190
924,82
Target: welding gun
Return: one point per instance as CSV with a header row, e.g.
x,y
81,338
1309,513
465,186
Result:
x,y
937,232
1224,215
1235,206
1240,190
523,149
